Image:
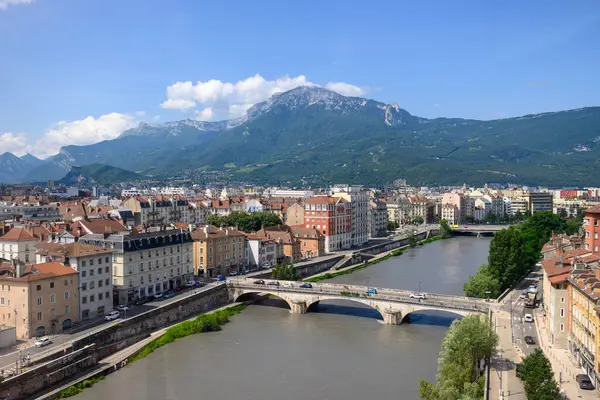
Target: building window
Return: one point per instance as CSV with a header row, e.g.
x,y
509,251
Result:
x,y
52,298
39,301
67,309
587,234
53,313
562,299
92,298
66,295
106,261
51,285
100,296
100,283
66,282
91,262
84,286
84,300
562,327
562,312
106,269
83,263
107,295
38,287
99,271
83,274
2,300
107,281
100,260
39,316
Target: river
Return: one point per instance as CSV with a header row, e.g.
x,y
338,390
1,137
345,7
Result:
x,y
338,351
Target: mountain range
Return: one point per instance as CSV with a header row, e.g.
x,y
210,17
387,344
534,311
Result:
x,y
311,135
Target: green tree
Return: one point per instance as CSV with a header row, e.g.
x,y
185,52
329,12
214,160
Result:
x,y
392,225
412,239
481,283
285,272
467,342
491,218
563,213
506,258
445,230
538,379
418,220
247,222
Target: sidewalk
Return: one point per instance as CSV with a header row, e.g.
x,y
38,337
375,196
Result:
x,y
504,383
562,362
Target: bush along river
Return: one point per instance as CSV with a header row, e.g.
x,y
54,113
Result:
x,y
339,350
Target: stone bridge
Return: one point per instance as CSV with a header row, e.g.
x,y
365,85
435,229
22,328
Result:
x,y
393,304
479,230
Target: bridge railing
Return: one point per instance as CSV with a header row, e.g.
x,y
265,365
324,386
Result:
x,y
465,304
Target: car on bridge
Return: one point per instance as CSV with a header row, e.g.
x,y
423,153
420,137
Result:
x,y
259,282
371,291
273,283
420,296
305,286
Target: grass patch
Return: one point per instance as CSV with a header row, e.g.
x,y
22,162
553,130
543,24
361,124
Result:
x,y
393,253
78,388
202,323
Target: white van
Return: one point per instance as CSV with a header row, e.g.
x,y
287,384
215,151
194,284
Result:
x,y
528,318
111,316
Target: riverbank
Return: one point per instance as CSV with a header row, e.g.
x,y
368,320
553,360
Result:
x,y
377,259
208,322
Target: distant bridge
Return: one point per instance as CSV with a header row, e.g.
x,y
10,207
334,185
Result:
x,y
393,305
479,229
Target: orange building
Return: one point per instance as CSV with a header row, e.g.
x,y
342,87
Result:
x,y
332,216
591,223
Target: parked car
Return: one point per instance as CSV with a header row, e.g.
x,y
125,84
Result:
x,y
418,296
233,273
266,265
528,318
112,315
371,291
142,300
306,286
529,340
259,282
158,295
191,283
43,341
220,278
584,382
169,294
273,283
123,308
518,370
198,284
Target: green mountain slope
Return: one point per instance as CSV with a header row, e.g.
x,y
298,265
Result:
x,y
98,174
314,136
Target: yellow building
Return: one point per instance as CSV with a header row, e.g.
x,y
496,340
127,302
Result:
x,y
584,323
39,299
218,251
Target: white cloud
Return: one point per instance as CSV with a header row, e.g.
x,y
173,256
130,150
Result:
x,y
4,4
224,99
205,115
346,89
86,131
13,143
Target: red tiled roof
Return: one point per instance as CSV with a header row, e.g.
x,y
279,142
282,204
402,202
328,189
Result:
x,y
36,272
593,209
18,234
559,278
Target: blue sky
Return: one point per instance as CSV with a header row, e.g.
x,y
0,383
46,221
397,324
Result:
x,y
76,72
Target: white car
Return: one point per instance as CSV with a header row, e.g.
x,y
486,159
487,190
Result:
x,y
287,285
418,296
43,341
112,316
123,308
528,318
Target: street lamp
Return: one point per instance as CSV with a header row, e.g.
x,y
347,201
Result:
x,y
419,286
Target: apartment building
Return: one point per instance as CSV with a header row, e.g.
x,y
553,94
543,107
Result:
x,y
18,244
28,212
147,263
556,272
591,224
295,214
378,218
455,213
359,199
451,213
158,210
40,299
218,251
332,216
94,264
312,242
540,201
261,250
283,234
584,322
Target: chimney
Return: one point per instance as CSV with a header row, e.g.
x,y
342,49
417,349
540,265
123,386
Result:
x,y
226,232
19,268
206,229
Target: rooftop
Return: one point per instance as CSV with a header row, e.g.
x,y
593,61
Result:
x,y
34,272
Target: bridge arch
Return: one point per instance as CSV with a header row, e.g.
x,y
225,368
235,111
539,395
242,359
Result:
x,y
310,305
249,295
444,316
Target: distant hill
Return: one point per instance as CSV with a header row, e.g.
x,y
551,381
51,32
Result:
x,y
311,135
97,174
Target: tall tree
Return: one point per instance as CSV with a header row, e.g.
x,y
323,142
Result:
x,y
445,230
467,342
538,378
483,284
